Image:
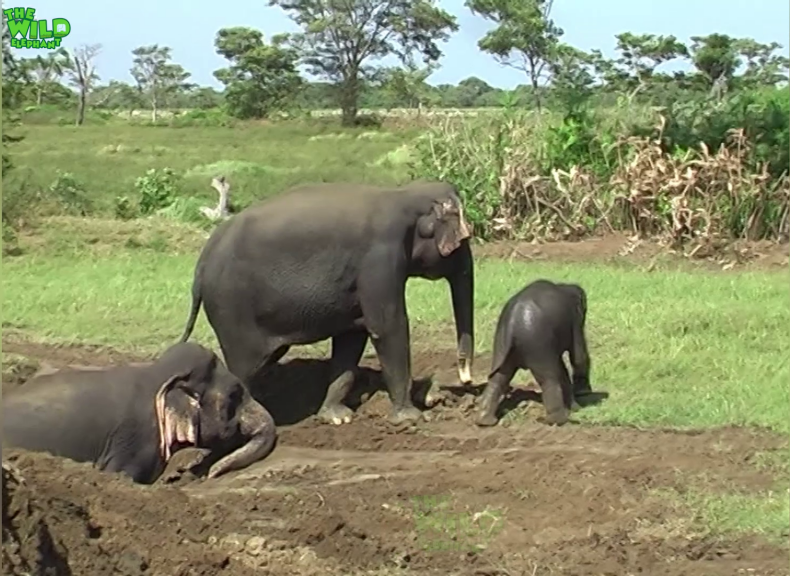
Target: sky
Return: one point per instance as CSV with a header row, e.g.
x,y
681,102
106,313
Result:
x,y
189,28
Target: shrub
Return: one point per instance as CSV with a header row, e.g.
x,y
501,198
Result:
x,y
212,117
762,115
124,208
70,194
519,179
156,190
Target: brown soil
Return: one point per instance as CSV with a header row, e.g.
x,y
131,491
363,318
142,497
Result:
x,y
441,497
624,250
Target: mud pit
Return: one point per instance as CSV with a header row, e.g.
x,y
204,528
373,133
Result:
x,y
442,497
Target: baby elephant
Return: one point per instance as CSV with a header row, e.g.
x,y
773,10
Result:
x,y
535,328
131,419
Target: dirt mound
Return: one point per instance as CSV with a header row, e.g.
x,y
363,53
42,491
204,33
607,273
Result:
x,y
28,544
62,518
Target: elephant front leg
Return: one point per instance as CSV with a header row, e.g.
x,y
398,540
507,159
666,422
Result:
x,y
580,362
382,297
347,351
393,352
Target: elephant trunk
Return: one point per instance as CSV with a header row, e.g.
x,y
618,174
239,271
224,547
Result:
x,y
462,289
257,426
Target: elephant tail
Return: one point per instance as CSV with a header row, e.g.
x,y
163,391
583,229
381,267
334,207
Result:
x,y
197,300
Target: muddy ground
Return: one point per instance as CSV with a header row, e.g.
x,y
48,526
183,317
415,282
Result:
x,y
442,497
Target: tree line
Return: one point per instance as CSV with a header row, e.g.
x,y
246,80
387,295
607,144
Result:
x,y
343,43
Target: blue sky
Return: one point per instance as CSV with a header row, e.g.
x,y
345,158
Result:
x,y
189,27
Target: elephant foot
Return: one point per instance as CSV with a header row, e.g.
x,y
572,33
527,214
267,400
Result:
x,y
405,414
486,418
575,406
336,415
557,417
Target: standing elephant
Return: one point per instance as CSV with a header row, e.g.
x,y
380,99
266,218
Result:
x,y
536,327
131,419
331,261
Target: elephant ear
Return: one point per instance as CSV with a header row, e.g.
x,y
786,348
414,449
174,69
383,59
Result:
x,y
177,411
453,229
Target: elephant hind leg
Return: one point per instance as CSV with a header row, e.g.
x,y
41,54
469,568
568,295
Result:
x,y
555,386
347,351
248,352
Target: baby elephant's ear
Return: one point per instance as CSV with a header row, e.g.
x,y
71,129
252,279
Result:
x,y
177,410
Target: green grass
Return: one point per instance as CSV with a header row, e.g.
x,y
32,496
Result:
x,y
258,160
733,513
673,348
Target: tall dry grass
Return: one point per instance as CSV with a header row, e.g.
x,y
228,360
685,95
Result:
x,y
687,199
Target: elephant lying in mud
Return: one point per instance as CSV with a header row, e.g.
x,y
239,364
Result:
x,y
331,261
536,327
131,419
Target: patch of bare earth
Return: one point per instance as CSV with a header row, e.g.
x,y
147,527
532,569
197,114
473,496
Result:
x,y
440,497
622,249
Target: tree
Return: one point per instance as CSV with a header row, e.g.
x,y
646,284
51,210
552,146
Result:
x,y
81,72
763,66
156,77
202,98
408,84
342,39
46,70
572,78
640,55
524,38
15,78
15,75
716,58
262,77
118,95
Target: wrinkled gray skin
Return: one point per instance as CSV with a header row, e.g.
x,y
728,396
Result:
x,y
109,416
331,261
535,328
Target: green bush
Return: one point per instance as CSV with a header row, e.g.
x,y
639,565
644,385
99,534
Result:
x,y
70,194
156,190
762,115
212,117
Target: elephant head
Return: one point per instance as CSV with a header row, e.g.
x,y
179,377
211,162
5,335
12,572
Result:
x,y
208,407
440,249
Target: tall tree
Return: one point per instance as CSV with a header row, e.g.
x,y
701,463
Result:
x,y
14,79
640,55
525,37
262,77
343,40
408,84
572,77
118,95
157,77
46,70
716,58
81,72
763,66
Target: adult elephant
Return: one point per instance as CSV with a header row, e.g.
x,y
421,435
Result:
x,y
331,261
131,419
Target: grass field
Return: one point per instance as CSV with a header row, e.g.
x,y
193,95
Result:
x,y
675,346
